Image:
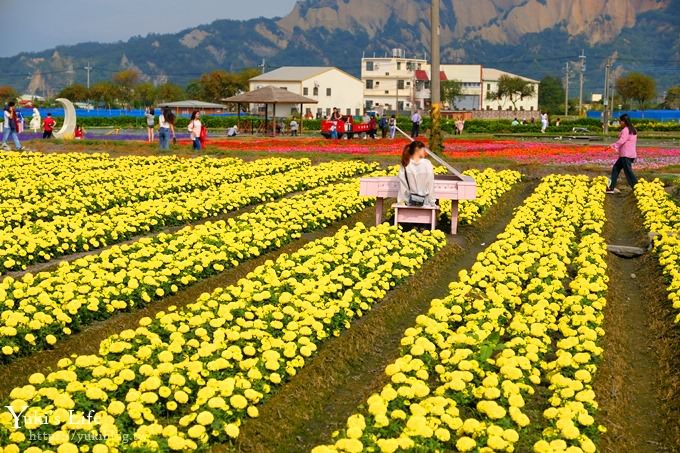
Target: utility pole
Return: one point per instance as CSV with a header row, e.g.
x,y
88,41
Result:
x,y
582,59
436,140
88,68
566,90
605,100
263,66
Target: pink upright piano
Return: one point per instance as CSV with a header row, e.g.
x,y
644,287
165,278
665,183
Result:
x,y
454,186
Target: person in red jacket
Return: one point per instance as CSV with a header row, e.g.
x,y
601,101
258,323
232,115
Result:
x,y
48,126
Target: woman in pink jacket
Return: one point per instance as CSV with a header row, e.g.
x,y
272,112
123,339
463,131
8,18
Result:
x,y
626,146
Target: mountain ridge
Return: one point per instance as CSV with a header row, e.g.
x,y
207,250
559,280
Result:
x,y
530,37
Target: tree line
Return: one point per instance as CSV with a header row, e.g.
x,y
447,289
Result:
x,y
128,89
632,90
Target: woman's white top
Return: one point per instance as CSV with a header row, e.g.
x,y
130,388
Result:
x,y
421,179
195,129
162,123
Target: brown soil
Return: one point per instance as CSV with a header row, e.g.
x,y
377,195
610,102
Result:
x,y
629,384
87,341
349,368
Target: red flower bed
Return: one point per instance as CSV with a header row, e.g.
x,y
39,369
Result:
x,y
521,152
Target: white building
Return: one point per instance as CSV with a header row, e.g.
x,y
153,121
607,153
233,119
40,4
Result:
x,y
477,82
330,86
390,81
490,79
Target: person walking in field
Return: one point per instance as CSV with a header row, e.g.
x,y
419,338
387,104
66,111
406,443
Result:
x,y
150,124
544,122
194,128
11,127
166,128
48,126
626,146
35,120
393,126
416,119
293,126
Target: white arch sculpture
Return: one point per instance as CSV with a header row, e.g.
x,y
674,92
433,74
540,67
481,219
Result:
x,y
68,129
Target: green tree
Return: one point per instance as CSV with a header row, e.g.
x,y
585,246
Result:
x,y
145,94
451,89
75,92
217,85
551,95
105,93
637,87
672,100
513,89
126,80
7,94
169,92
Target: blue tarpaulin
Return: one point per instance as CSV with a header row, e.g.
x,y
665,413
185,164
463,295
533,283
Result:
x,y
654,115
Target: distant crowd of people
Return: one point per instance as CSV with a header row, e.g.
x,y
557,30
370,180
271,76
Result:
x,y
544,119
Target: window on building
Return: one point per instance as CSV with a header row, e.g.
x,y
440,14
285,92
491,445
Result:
x,y
319,112
316,91
305,91
369,84
284,88
427,84
369,104
521,107
349,111
400,84
409,66
357,112
328,91
369,65
328,112
488,87
387,91
499,108
532,108
400,106
377,83
488,107
387,74
408,84
398,65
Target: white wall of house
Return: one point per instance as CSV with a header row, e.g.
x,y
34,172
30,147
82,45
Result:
x,y
490,84
332,88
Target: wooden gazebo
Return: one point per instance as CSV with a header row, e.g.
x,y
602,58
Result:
x,y
270,95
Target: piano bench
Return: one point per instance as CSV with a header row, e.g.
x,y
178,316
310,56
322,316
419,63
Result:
x,y
416,214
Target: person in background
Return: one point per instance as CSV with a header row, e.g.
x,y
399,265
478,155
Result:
x,y
544,122
335,116
48,126
349,126
558,121
194,129
393,126
626,146
373,127
232,131
460,125
79,133
416,120
294,127
515,122
150,124
416,175
334,130
383,126
166,128
36,120
11,127
366,119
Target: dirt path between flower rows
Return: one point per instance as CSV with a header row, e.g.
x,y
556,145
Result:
x,y
349,368
87,341
629,384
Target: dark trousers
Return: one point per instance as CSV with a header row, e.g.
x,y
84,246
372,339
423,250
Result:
x,y
384,132
47,134
415,130
625,164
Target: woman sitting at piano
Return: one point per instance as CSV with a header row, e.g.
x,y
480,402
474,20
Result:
x,y
416,177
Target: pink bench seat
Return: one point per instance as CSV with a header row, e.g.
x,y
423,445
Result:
x,y
413,214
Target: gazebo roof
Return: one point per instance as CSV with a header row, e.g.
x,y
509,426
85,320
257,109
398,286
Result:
x,y
192,104
270,95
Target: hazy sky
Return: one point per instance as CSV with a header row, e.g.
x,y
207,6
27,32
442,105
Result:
x,y
31,25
